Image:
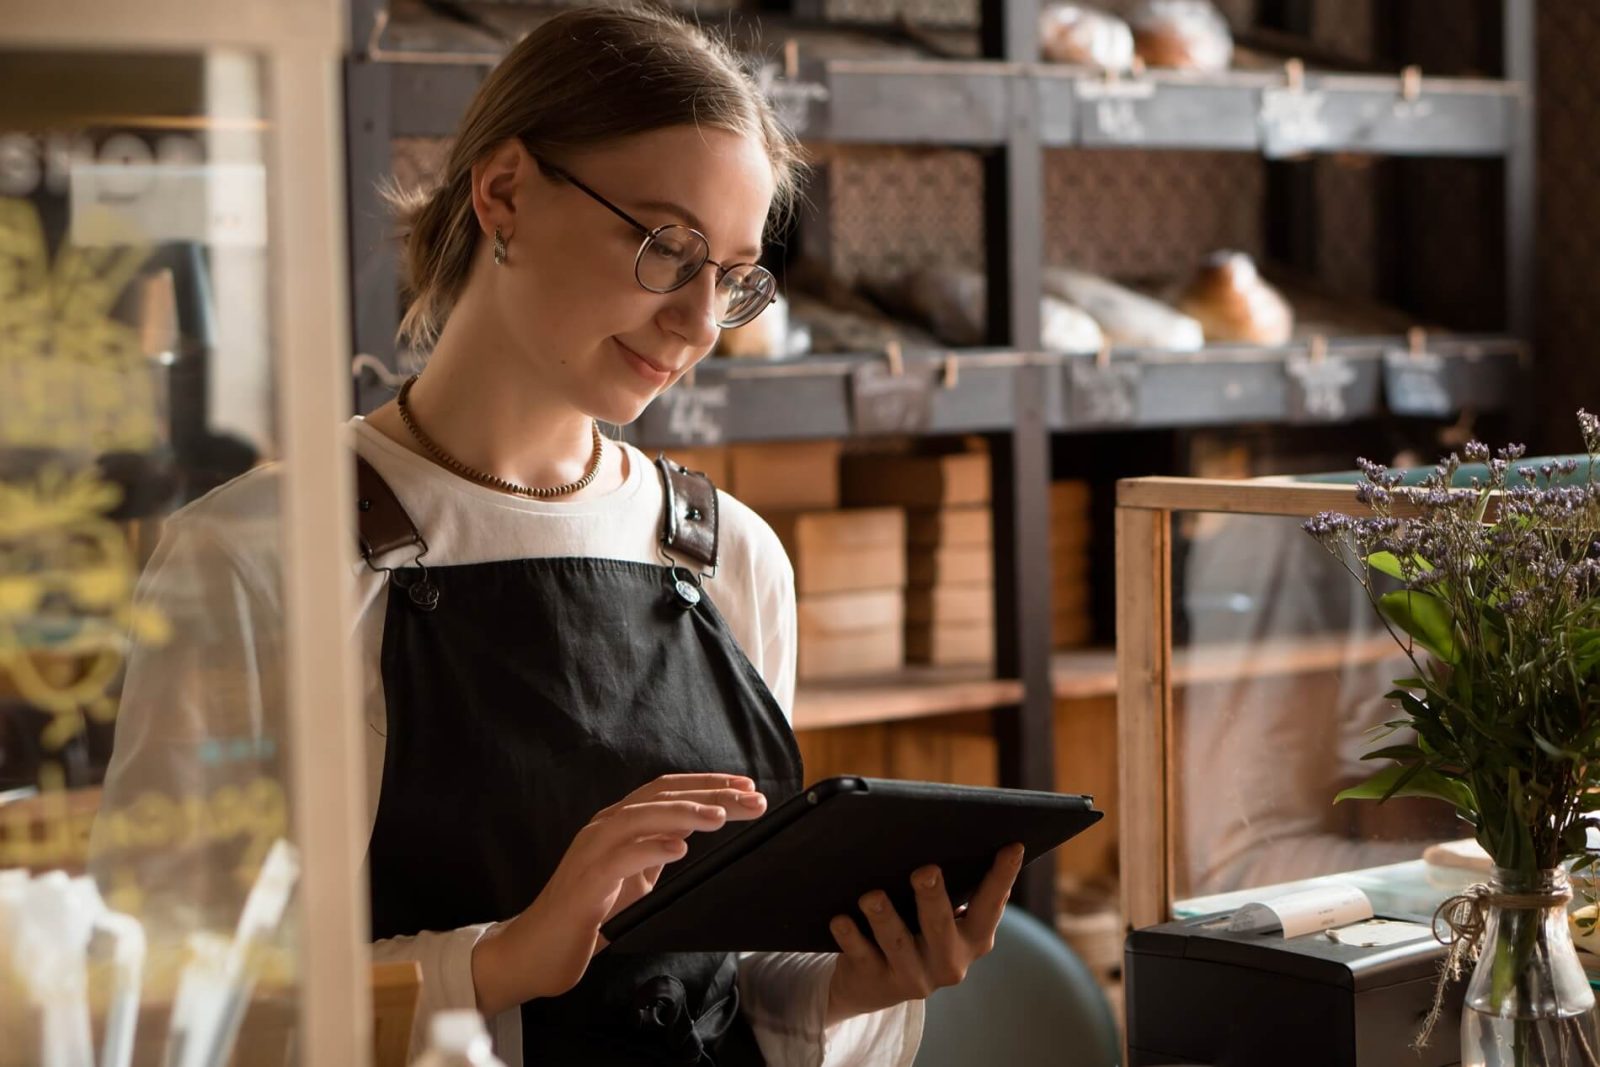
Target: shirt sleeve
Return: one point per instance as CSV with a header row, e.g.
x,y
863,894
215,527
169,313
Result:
x,y
201,719
785,994
785,997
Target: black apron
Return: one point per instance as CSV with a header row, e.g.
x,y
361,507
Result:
x,y
523,696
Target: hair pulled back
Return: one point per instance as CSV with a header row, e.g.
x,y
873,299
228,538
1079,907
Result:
x,y
584,78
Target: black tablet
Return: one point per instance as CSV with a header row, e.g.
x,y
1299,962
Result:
x,y
775,886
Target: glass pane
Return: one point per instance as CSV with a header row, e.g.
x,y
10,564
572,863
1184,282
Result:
x,y
1282,667
141,728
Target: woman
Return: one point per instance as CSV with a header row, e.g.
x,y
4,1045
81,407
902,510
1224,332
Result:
x,y
578,660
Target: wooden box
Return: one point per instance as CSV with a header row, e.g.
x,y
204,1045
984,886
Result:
x,y
947,527
950,644
844,635
789,476
950,604
951,566
844,551
917,481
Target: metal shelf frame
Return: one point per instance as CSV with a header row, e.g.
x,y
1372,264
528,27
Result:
x,y
1012,108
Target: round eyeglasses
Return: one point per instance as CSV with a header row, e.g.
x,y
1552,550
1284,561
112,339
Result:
x,y
671,256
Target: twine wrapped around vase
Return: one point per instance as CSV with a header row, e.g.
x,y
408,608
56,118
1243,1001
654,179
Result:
x,y
1466,916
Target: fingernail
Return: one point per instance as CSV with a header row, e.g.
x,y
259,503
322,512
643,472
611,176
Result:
x,y
875,905
712,811
840,924
929,879
740,783
752,800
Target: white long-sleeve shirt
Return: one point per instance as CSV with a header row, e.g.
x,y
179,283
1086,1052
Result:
x,y
215,574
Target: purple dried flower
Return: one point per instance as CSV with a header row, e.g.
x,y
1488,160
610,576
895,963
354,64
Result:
x,y
1475,452
1589,425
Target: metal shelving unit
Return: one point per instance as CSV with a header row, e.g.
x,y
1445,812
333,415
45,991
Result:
x,y
414,81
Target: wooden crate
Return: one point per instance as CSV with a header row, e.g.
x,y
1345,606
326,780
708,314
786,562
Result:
x,y
971,526
950,644
844,551
951,566
946,604
790,476
847,635
917,481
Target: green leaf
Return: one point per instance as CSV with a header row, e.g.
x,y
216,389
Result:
x,y
1389,563
1397,752
1411,781
1425,617
1550,749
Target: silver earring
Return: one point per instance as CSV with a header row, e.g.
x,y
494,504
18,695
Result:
x,y
499,247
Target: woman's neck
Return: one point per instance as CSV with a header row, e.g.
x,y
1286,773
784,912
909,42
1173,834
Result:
x,y
491,412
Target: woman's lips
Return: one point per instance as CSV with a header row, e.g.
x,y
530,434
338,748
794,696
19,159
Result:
x,y
647,370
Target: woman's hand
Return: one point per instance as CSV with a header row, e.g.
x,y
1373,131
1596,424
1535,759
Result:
x,y
903,966
612,862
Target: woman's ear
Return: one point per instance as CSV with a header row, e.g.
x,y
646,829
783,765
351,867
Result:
x,y
495,178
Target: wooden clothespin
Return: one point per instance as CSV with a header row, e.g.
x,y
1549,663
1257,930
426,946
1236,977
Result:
x,y
688,377
952,371
1102,358
1411,84
1319,348
1294,75
895,359
1417,341
791,59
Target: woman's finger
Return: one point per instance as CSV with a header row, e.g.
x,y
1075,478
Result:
x,y
635,857
847,935
989,902
946,954
899,948
738,803
676,818
682,782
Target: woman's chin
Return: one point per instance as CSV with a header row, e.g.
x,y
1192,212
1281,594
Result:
x,y
621,410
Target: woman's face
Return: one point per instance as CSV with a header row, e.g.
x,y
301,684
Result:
x,y
567,293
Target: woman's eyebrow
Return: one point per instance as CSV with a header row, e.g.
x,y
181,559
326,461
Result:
x,y
750,253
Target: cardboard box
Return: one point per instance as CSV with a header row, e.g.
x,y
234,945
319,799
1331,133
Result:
x,y
847,635
844,551
917,481
945,604
788,476
970,526
949,644
951,566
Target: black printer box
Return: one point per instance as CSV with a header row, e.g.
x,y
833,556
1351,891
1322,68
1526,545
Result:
x,y
1198,993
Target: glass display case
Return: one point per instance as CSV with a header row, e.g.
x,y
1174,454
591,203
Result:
x,y
1253,675
179,809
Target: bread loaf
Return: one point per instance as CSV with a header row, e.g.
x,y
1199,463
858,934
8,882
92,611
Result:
x,y
1182,35
1084,36
954,303
1234,303
1125,317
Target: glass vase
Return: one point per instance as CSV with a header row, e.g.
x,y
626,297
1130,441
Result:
x,y
1529,1003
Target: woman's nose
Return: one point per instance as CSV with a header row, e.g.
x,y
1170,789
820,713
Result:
x,y
691,312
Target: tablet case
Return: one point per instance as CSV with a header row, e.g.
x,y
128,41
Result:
x,y
775,886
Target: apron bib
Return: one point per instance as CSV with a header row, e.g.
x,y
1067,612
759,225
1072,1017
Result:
x,y
523,696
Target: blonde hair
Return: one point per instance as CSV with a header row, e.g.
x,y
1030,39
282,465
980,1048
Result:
x,y
583,78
